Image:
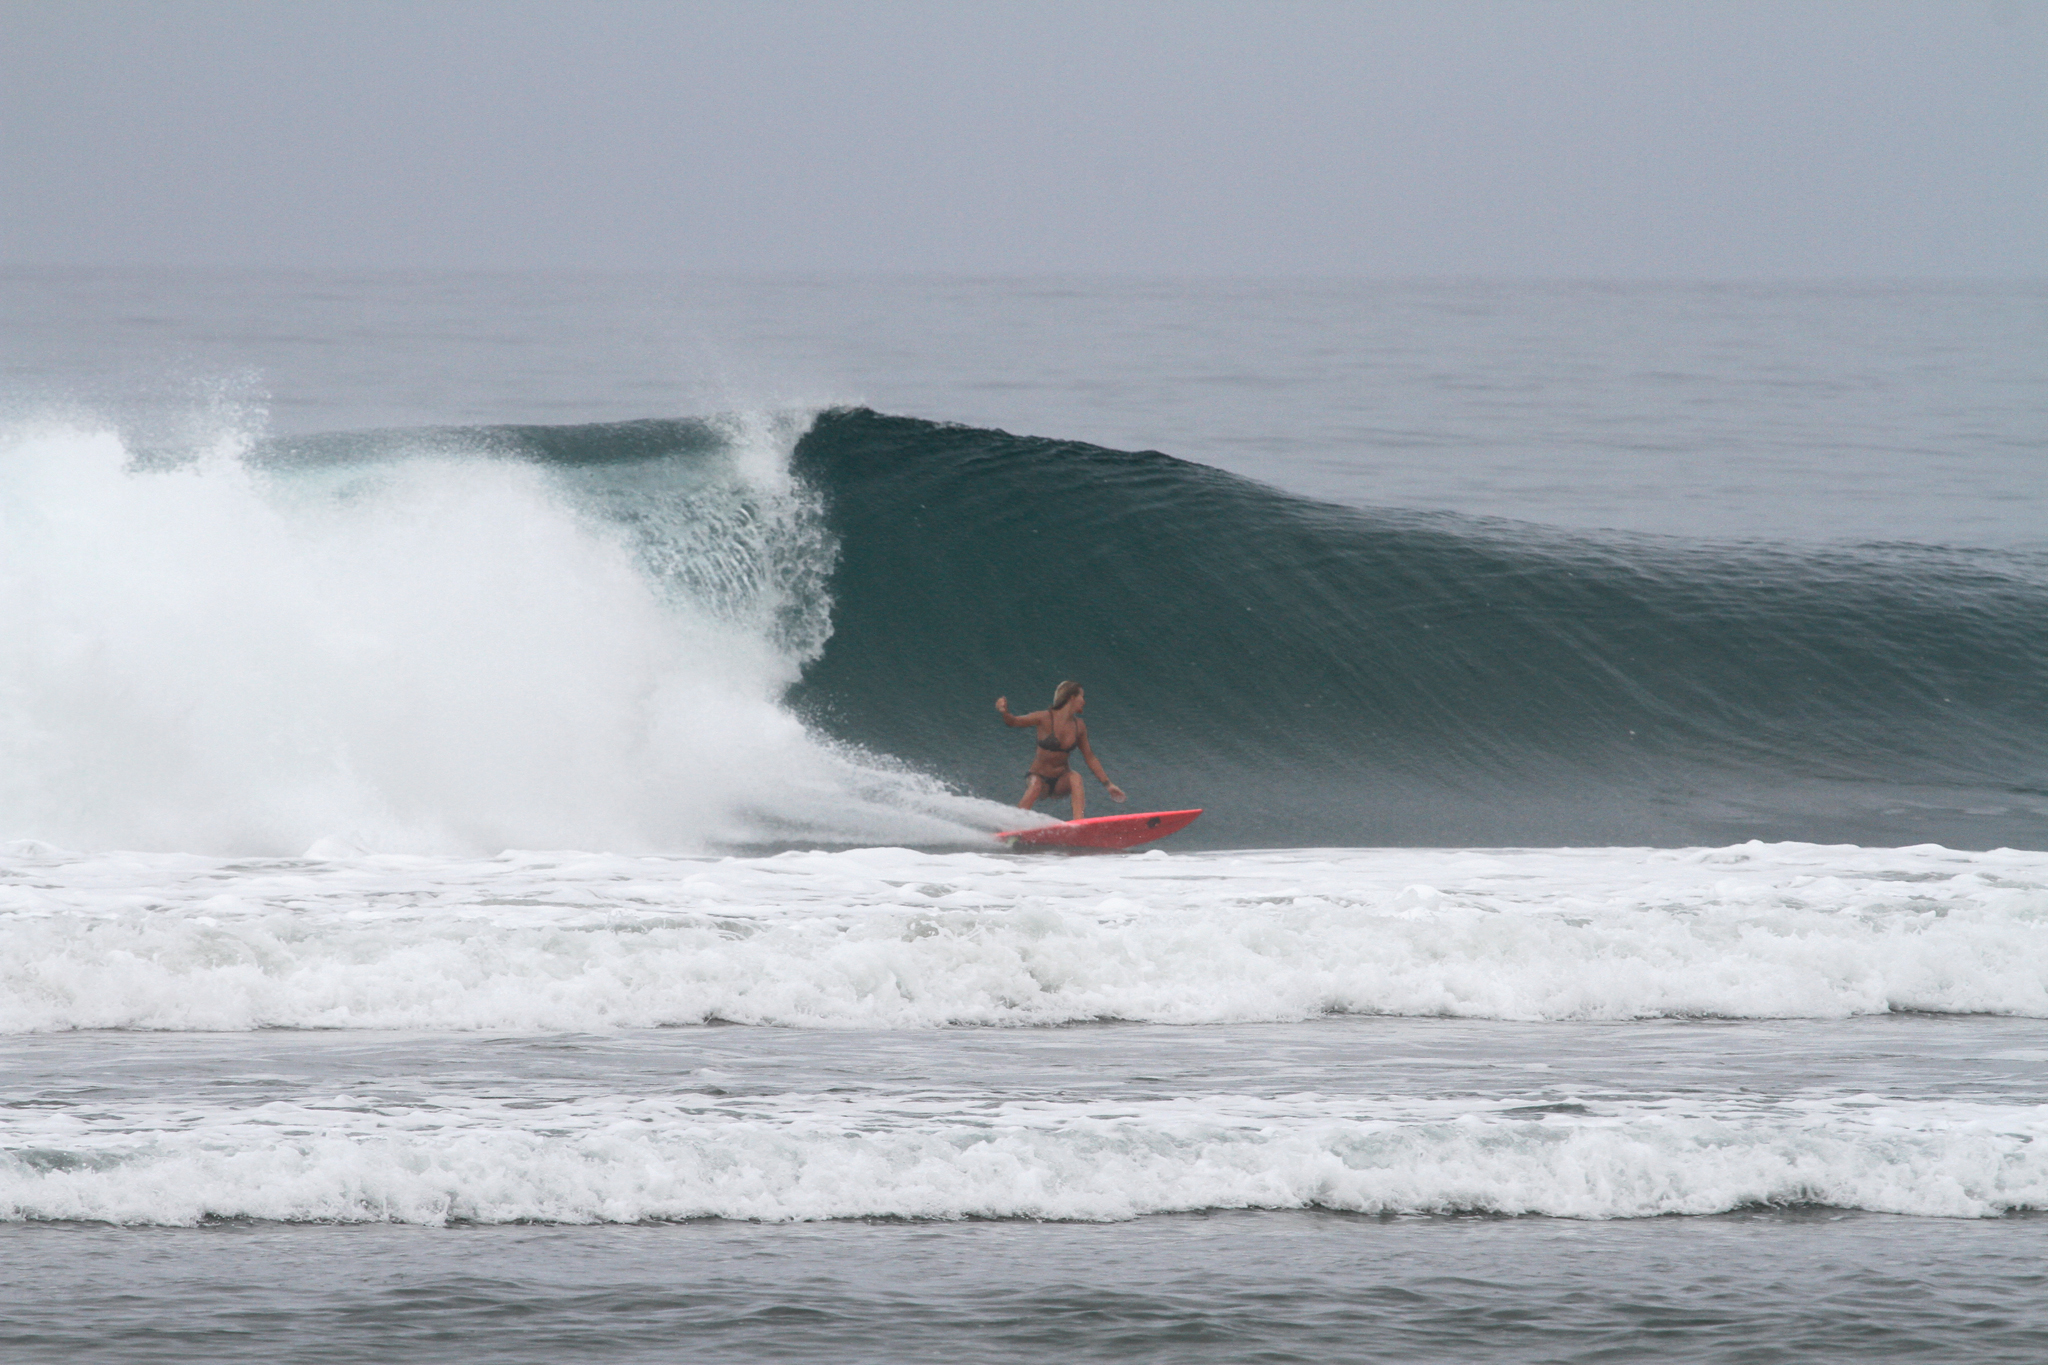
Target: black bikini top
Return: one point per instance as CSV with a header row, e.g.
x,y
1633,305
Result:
x,y
1052,741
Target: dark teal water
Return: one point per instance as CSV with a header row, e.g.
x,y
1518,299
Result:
x,y
1323,675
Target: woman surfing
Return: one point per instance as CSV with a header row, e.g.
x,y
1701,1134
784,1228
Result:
x,y
1060,731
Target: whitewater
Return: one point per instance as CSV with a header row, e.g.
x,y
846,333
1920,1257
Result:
x,y
413,951
495,838
896,938
703,1148
423,653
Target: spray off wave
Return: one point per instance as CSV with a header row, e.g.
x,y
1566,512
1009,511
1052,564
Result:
x,y
423,647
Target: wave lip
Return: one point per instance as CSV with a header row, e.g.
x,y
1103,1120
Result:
x,y
892,938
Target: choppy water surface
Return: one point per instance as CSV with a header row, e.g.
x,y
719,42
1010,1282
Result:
x,y
1757,1286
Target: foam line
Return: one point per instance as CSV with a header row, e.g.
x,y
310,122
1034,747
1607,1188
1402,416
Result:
x,y
892,938
796,1157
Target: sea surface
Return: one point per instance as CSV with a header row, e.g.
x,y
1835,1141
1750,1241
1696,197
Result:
x,y
497,776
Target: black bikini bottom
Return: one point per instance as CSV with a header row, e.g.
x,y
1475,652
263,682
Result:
x,y
1051,783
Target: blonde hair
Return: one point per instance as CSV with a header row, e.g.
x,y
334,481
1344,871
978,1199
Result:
x,y
1064,693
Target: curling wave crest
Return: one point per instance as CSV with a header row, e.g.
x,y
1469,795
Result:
x,y
415,641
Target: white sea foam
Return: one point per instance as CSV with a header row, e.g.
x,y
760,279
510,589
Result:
x,y
888,937
789,1157
421,655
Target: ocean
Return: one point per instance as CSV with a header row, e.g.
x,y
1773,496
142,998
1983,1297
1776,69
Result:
x,y
497,776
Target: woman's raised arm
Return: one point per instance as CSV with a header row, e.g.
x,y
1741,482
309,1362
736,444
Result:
x,y
1015,722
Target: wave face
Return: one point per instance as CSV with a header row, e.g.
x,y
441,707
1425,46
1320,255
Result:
x,y
757,631
1320,675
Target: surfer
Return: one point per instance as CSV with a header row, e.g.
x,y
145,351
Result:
x,y
1060,731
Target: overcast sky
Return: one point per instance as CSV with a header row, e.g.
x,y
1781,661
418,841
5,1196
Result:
x,y
1565,138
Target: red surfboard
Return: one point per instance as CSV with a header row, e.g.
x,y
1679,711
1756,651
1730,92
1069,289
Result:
x,y
1103,831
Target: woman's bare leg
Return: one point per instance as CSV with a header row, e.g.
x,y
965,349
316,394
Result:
x,y
1078,792
1034,788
